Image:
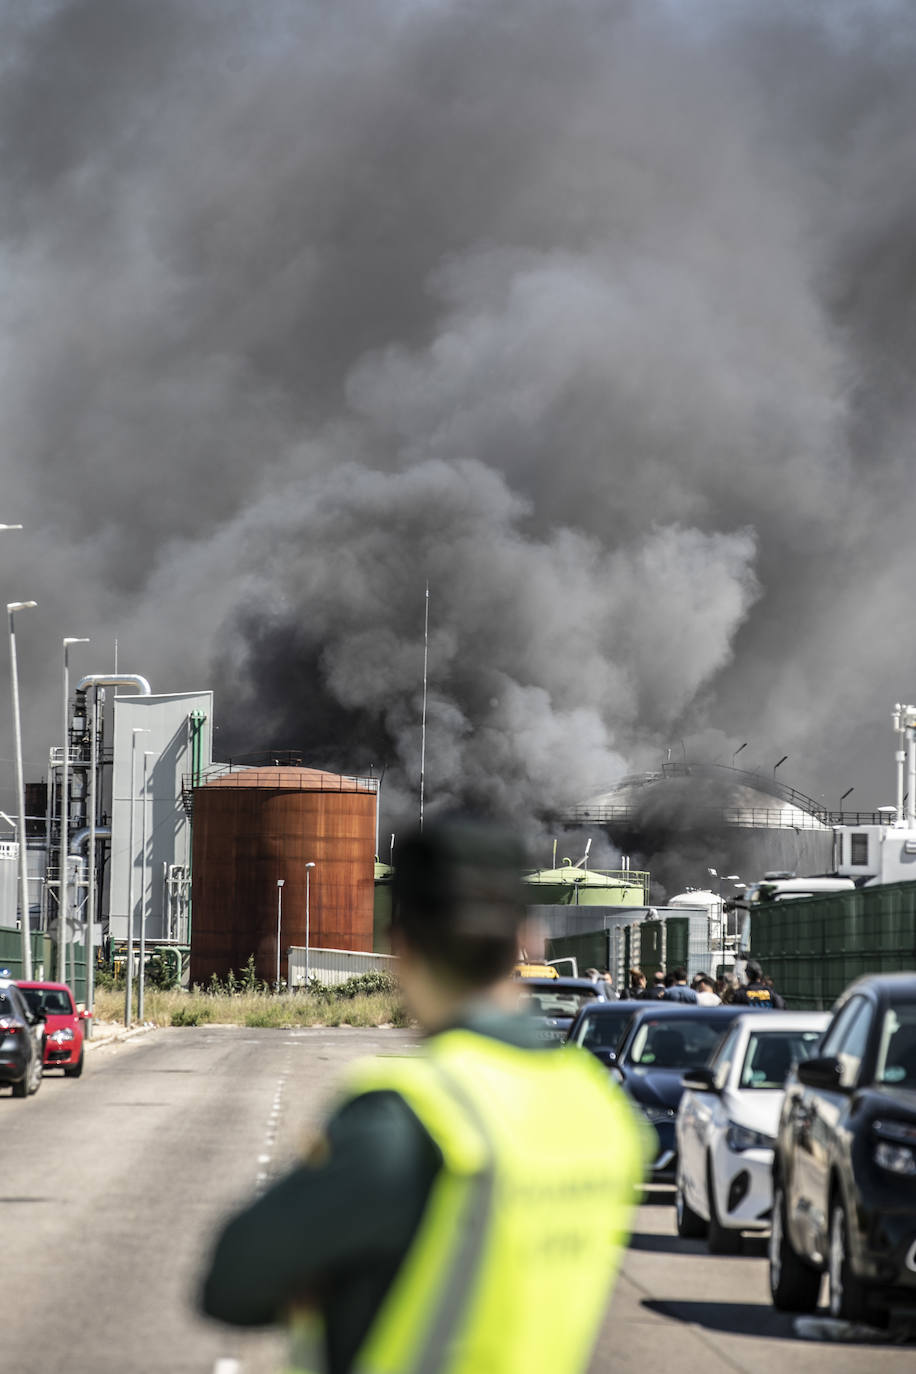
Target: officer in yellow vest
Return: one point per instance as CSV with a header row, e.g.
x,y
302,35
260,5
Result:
x,y
467,1207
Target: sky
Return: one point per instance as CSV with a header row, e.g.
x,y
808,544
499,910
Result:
x,y
596,317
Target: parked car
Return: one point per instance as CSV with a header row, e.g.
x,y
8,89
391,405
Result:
x,y
556,1002
64,1025
21,1041
600,1026
662,1041
726,1125
844,1169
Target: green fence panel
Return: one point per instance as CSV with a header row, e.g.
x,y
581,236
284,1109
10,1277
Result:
x,y
677,944
814,948
11,953
588,949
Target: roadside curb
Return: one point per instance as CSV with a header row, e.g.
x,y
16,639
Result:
x,y
120,1036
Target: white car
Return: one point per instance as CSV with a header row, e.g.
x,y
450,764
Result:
x,y
727,1121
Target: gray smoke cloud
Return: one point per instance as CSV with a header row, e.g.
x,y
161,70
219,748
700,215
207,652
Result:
x,y
595,316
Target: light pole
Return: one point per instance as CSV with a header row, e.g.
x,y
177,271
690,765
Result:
x,y
779,764
308,874
24,926
738,751
63,890
128,968
280,882
141,969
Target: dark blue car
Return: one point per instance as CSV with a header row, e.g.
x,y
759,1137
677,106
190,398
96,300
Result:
x,y
600,1027
556,1002
661,1042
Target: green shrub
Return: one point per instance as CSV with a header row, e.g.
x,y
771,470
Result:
x,y
190,1016
365,984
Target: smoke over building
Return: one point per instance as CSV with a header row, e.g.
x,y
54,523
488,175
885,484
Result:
x,y
596,316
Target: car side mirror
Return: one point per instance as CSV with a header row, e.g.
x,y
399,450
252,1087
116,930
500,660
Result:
x,y
700,1079
823,1072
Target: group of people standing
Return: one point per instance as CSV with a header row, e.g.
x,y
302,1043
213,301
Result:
x,y
705,990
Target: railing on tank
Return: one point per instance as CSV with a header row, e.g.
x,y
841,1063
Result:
x,y
239,775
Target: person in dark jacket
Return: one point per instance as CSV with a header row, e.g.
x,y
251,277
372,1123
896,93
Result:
x,y
757,992
656,989
679,991
637,985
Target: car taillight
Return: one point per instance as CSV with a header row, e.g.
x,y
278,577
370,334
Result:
x,y
8,1027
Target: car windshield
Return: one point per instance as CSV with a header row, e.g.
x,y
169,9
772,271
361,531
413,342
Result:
x,y
603,1032
681,1043
771,1054
897,1048
562,1002
53,1001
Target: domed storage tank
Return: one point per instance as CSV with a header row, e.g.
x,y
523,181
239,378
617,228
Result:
x,y
253,826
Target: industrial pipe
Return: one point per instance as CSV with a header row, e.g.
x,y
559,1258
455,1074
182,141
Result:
x,y
96,681
115,680
79,837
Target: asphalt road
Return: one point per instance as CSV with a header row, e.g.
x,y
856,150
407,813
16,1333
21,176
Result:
x,y
112,1185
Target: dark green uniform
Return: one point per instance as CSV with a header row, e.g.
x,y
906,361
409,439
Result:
x,y
336,1230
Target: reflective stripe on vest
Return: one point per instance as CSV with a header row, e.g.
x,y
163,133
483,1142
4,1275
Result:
x,y
513,1259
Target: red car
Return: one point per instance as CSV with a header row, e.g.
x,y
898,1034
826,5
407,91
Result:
x,y
64,1032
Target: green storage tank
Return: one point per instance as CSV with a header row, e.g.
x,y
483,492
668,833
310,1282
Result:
x,y
570,885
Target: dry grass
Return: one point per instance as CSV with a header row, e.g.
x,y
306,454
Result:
x,y
179,1008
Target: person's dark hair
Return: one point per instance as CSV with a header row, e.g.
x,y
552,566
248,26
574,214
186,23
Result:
x,y
458,898
680,975
753,971
670,979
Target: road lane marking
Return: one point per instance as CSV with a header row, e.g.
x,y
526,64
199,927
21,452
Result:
x,y
227,1366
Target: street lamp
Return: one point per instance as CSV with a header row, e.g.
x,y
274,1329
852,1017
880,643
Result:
x,y
308,868
845,795
11,608
63,890
738,751
280,882
779,764
141,971
128,972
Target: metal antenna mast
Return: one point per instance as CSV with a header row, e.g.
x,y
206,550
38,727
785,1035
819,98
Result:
x,y
423,728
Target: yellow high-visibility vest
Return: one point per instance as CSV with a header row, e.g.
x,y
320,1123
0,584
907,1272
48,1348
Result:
x,y
513,1260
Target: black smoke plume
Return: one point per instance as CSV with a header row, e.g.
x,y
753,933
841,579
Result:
x,y
596,316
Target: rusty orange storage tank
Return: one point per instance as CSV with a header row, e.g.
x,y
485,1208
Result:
x,y
253,826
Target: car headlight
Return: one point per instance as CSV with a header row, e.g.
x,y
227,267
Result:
x,y
657,1114
896,1147
740,1138
60,1037
896,1159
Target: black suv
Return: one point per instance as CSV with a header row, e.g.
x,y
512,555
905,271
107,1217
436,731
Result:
x,y
844,1185
21,1042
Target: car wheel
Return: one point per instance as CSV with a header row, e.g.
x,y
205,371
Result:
x,y
690,1225
794,1285
848,1298
74,1070
36,1074
722,1240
